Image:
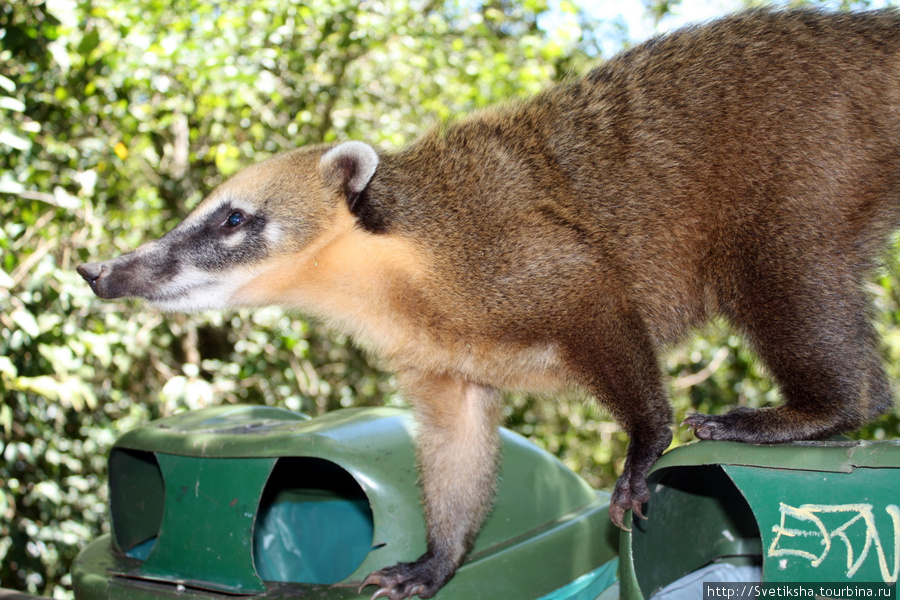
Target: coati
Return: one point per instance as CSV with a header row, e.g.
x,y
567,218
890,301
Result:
x,y
747,169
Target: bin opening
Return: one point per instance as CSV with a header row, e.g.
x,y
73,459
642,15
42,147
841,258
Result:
x,y
314,523
696,517
137,498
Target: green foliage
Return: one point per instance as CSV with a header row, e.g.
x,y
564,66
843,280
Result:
x,y
117,116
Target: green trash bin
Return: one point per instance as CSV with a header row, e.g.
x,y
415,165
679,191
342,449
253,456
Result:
x,y
808,512
263,502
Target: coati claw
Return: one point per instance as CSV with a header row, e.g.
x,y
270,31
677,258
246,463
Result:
x,y
630,493
617,513
403,581
701,425
637,508
617,516
385,591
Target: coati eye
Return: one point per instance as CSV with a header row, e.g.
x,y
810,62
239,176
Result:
x,y
234,219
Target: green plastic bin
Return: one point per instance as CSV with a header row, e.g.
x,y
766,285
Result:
x,y
816,512
266,503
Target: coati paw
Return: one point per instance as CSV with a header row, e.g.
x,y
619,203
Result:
x,y
705,427
736,425
422,578
630,493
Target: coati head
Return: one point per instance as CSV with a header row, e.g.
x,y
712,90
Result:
x,y
265,214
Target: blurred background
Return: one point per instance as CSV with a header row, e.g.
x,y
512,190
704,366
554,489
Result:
x,y
118,116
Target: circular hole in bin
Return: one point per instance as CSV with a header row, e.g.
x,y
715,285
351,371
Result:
x,y
314,523
697,518
137,497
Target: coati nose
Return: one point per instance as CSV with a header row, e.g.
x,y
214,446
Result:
x,y
91,273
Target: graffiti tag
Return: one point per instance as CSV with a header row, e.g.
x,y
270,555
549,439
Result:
x,y
853,525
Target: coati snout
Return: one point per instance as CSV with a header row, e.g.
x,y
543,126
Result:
x,y
744,169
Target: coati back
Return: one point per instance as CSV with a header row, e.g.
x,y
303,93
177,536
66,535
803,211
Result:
x,y
747,169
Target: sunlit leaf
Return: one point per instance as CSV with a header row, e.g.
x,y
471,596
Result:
x,y
13,104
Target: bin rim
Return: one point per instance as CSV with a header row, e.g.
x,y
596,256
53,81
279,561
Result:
x,y
834,455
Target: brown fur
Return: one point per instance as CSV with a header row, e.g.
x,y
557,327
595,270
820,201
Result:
x,y
747,169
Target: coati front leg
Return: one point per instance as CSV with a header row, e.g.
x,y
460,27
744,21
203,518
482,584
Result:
x,y
458,447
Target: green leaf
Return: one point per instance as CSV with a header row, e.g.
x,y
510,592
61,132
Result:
x,y
12,104
7,84
89,42
26,322
7,368
6,281
8,138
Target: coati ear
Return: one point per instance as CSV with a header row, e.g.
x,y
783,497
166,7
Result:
x,y
351,165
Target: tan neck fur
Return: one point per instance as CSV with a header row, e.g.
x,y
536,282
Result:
x,y
349,278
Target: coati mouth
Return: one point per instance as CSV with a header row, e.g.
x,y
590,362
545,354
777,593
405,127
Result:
x,y
172,289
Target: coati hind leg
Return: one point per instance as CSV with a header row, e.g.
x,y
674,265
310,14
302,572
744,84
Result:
x,y
458,447
814,335
618,364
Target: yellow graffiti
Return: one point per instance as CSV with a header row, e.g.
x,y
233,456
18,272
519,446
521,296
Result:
x,y
809,524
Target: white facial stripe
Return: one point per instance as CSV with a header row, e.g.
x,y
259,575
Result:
x,y
202,212
273,234
194,290
188,277
234,239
